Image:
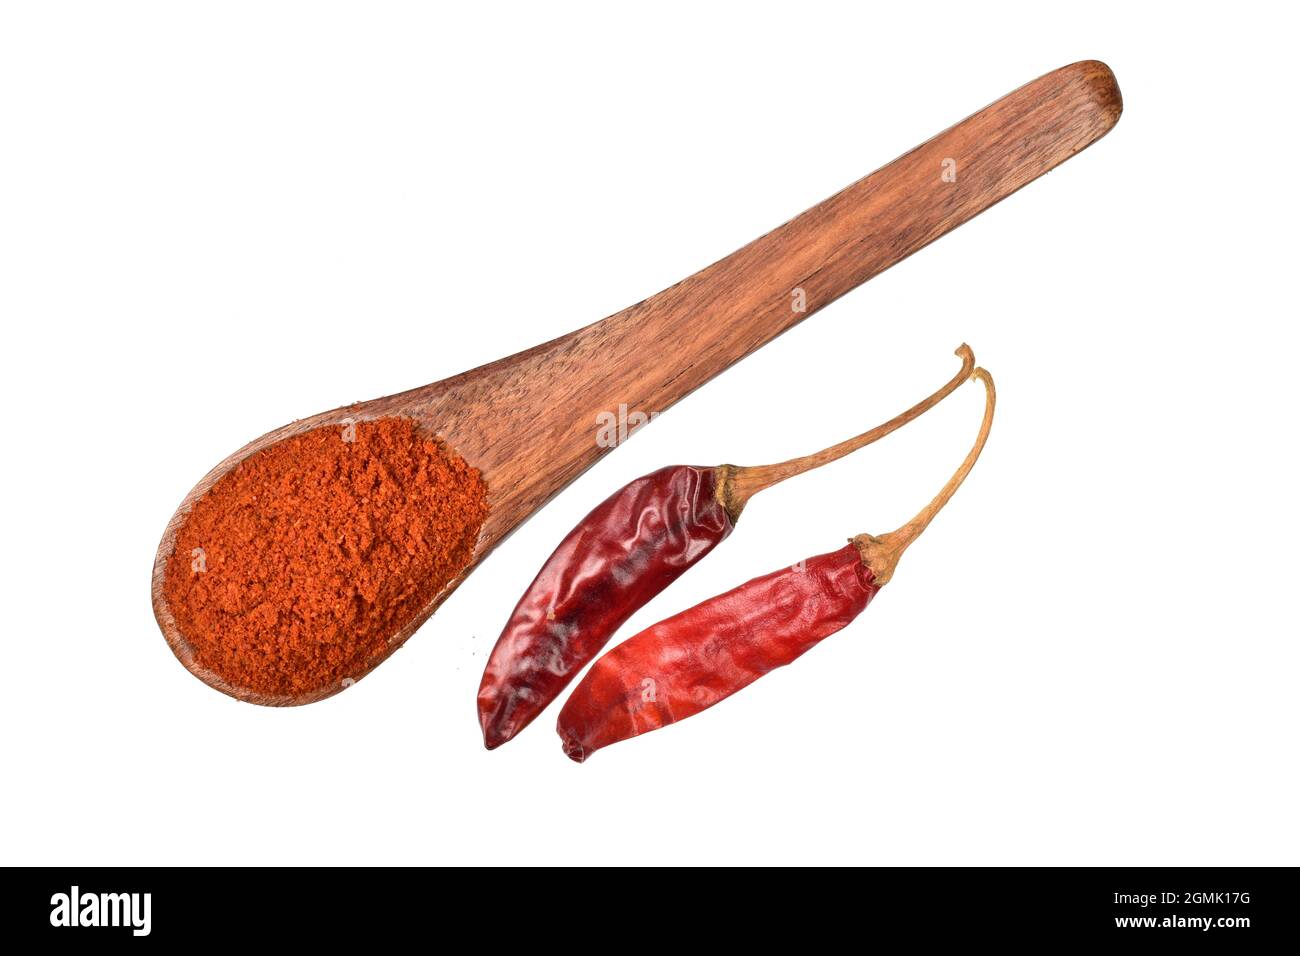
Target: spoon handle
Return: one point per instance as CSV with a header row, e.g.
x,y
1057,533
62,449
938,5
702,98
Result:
x,y
649,356
732,307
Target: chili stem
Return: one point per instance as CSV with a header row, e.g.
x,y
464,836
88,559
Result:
x,y
881,554
737,484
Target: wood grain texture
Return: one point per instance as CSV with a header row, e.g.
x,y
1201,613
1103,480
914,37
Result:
x,y
528,422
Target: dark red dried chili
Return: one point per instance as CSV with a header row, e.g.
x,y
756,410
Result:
x,y
626,551
631,547
695,659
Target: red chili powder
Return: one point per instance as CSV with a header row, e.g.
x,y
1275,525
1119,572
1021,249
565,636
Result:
x,y
317,549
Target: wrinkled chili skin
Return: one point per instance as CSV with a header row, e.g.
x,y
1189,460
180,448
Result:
x,y
691,661
628,549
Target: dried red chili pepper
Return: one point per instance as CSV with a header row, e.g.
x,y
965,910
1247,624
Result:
x,y
631,547
695,659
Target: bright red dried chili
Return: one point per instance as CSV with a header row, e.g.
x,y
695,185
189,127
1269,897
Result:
x,y
695,659
626,551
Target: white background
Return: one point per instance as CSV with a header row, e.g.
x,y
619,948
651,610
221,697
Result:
x,y
217,218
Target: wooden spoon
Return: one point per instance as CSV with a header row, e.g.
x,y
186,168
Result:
x,y
528,422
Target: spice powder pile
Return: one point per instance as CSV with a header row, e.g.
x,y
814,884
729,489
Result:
x,y
291,574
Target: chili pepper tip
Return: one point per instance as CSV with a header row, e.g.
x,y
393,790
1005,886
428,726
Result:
x,y
574,751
